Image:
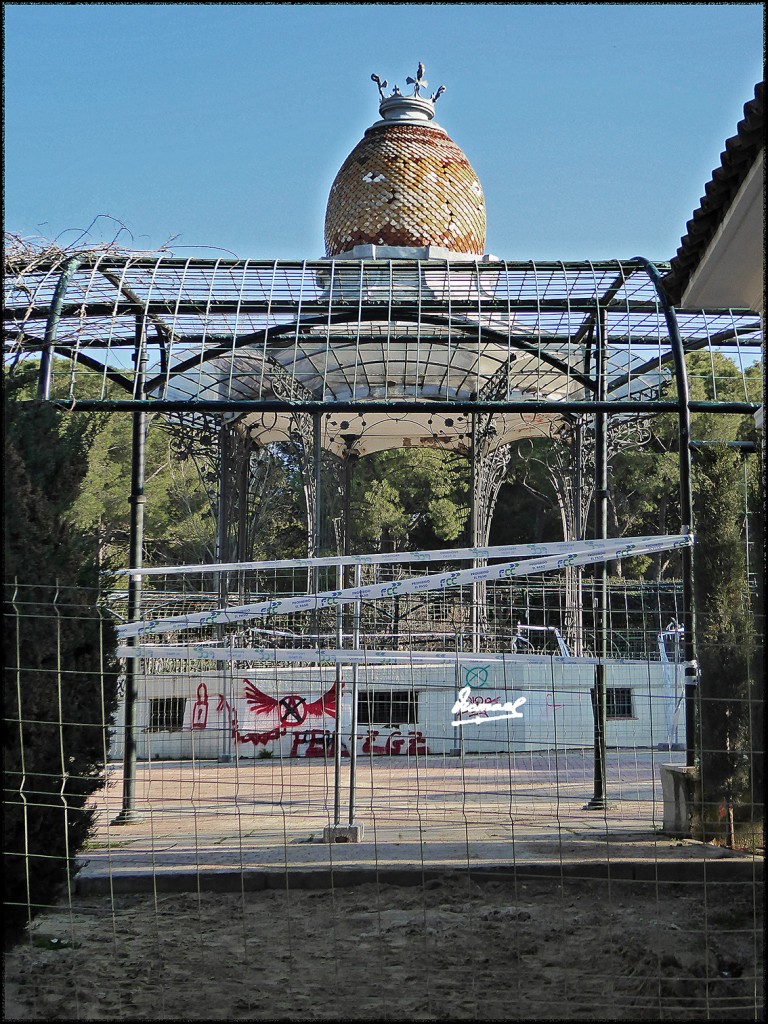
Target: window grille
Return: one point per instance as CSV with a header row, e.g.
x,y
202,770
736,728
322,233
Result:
x,y
388,707
618,702
166,714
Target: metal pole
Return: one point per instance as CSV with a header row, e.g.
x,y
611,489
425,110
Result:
x,y
691,673
473,524
355,631
353,727
598,801
242,509
230,692
135,559
578,529
317,454
337,730
222,532
221,579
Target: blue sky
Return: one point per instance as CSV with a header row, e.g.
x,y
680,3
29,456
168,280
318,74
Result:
x,y
593,127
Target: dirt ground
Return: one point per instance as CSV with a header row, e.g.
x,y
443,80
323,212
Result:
x,y
449,948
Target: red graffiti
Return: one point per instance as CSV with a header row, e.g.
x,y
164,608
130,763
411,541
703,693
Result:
x,y
393,745
200,708
293,709
319,743
417,744
256,738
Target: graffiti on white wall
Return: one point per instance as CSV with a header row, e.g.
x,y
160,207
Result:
x,y
474,708
200,708
258,719
414,742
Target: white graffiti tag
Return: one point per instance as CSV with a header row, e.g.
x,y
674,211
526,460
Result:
x,y
466,705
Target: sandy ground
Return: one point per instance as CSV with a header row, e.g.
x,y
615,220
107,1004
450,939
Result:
x,y
571,946
525,949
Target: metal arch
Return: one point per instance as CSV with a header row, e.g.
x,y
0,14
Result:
x,y
52,322
686,502
365,316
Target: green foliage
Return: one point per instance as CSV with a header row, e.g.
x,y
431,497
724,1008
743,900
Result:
x,y
60,678
179,518
413,497
178,524
644,482
728,647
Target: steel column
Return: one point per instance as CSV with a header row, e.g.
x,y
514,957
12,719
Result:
x,y
473,524
353,726
684,406
135,558
598,801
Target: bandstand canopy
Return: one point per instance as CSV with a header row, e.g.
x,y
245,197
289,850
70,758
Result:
x,y
389,352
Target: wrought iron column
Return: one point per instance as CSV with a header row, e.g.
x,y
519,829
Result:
x,y
243,493
576,572
135,559
488,470
691,674
354,632
598,801
222,524
317,457
473,523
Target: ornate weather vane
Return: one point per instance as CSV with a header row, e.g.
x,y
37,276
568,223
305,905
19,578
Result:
x,y
418,83
382,85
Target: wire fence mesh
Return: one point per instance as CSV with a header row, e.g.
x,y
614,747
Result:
x,y
460,872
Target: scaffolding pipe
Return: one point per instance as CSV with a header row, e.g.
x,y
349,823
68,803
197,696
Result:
x,y
353,726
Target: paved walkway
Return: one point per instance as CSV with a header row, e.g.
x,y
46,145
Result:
x,y
260,824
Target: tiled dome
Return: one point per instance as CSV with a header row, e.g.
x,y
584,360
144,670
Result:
x,y
406,184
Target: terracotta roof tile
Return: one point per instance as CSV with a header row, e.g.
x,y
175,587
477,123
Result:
x,y
735,163
406,185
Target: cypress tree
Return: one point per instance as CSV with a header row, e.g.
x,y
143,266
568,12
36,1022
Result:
x,y
60,674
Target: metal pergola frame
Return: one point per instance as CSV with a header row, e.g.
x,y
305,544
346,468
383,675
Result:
x,y
242,341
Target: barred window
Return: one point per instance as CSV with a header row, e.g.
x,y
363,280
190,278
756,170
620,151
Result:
x,y
388,707
166,714
618,702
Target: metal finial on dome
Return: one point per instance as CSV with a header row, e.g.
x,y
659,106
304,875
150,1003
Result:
x,y
406,187
382,85
419,81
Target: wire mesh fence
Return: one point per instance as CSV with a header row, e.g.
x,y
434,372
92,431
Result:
x,y
289,857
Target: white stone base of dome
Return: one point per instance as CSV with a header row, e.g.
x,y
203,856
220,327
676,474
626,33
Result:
x,y
404,252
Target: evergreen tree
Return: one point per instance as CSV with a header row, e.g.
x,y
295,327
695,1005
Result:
x,y
60,675
729,651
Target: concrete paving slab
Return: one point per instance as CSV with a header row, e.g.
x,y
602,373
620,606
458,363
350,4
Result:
x,y
202,825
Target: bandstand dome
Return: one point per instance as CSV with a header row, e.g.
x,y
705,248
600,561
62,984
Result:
x,y
406,184
413,341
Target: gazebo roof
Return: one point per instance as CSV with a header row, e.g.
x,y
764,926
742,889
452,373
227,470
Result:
x,y
392,352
